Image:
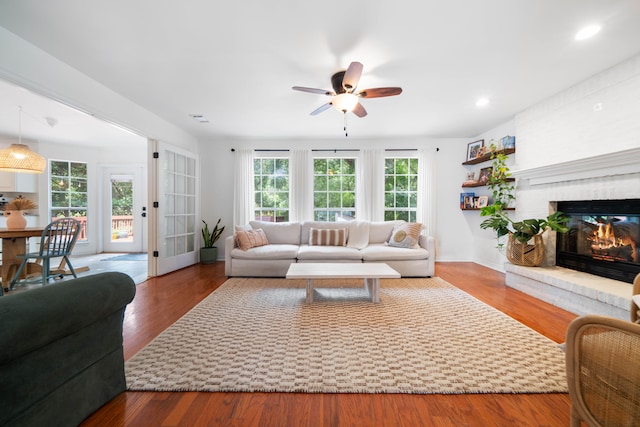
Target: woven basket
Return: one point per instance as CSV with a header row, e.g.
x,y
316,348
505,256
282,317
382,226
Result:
x,y
526,254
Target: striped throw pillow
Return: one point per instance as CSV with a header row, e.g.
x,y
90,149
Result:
x,y
327,236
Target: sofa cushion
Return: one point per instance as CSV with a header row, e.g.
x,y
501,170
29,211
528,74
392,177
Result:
x,y
279,232
380,231
251,239
269,251
358,234
322,225
327,237
405,235
383,252
307,252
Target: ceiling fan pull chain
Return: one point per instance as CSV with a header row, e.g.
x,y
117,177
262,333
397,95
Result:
x,y
345,125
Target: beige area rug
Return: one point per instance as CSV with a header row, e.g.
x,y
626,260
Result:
x,y
425,336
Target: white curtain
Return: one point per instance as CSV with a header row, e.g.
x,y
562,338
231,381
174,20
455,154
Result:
x,y
426,193
243,203
370,185
300,185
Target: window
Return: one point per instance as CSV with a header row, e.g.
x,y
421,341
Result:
x,y
271,189
68,186
334,189
400,189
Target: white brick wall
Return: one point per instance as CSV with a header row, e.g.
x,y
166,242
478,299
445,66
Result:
x,y
565,127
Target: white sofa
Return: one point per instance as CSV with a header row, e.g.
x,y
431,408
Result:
x,y
289,243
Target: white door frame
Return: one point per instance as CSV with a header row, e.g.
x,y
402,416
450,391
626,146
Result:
x,y
139,242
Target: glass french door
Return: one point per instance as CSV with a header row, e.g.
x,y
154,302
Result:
x,y
124,229
174,208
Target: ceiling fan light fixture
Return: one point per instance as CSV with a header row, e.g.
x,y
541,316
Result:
x,y
345,102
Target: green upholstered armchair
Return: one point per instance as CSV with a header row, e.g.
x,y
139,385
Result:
x,y
61,354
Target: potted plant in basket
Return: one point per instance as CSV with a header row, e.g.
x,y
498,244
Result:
x,y
524,245
209,252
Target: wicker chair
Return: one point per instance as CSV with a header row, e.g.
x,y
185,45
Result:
x,y
635,301
603,371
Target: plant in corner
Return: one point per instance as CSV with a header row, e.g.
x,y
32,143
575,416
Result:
x,y
209,252
524,245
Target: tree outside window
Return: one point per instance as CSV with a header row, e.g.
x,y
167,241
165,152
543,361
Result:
x,y
271,189
334,189
401,189
69,197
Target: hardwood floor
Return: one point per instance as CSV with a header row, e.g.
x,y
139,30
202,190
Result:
x,y
161,301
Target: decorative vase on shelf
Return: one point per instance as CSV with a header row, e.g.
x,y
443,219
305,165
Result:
x,y
15,219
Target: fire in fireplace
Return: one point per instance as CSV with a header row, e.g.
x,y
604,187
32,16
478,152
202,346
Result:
x,y
603,238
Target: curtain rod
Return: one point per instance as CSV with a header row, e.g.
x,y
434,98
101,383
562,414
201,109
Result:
x,y
335,150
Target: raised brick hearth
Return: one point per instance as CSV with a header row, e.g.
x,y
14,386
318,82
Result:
x,y
574,291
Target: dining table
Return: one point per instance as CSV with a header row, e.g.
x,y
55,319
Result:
x,y
14,243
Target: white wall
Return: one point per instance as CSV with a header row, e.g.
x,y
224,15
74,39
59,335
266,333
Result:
x,y
452,228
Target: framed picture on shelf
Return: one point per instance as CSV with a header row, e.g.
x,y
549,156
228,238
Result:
x,y
485,173
509,142
483,201
474,148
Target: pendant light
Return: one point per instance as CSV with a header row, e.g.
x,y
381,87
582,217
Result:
x,y
18,157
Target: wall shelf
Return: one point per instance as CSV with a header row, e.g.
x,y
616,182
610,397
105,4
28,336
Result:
x,y
478,209
477,184
487,156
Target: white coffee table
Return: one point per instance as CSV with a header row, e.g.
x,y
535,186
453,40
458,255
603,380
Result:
x,y
370,272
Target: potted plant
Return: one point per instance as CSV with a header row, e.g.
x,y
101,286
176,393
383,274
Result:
x,y
524,245
209,252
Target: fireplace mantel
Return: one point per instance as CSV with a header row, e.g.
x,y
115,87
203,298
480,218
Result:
x,y
610,164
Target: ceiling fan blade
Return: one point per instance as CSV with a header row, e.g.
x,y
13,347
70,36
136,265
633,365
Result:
x,y
313,90
359,110
321,109
352,76
379,92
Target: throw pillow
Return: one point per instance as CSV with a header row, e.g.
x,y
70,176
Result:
x,y
328,236
358,234
405,235
251,239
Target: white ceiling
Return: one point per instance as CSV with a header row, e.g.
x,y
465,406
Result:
x,y
235,61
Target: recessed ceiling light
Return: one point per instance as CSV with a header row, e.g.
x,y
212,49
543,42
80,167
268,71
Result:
x,y
588,32
482,102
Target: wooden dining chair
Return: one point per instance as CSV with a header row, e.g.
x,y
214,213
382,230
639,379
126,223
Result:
x,y
57,240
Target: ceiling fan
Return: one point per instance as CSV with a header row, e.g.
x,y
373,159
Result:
x,y
344,96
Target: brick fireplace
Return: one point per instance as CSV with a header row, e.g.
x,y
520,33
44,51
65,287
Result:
x,y
610,177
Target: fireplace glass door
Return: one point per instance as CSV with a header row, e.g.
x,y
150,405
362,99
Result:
x,y
603,238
